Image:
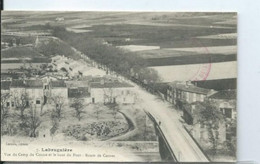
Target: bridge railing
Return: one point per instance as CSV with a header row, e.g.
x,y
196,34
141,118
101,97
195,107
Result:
x,y
197,144
162,135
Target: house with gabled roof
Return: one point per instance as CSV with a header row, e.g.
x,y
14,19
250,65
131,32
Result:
x,y
186,92
32,89
226,102
37,91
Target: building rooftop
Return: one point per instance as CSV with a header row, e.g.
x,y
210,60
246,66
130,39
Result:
x,y
72,84
114,84
189,87
5,85
225,94
34,83
26,84
49,76
58,83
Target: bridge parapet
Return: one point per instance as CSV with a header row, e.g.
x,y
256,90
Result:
x,y
174,151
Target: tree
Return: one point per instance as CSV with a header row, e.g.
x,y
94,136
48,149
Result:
x,y
232,140
98,110
109,95
78,106
149,77
4,109
58,103
33,120
21,101
210,117
109,57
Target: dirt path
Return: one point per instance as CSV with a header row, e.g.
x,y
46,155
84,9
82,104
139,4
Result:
x,y
129,121
130,130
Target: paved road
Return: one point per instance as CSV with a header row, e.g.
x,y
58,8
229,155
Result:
x,y
184,147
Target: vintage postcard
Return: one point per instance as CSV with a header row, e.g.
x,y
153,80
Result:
x,y
118,86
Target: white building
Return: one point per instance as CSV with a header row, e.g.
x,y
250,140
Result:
x,y
31,90
112,92
36,91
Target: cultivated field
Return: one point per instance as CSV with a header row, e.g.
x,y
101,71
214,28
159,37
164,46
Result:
x,y
223,70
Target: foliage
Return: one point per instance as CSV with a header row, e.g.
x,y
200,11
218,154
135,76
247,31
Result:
x,y
211,118
149,76
54,46
231,143
102,130
107,56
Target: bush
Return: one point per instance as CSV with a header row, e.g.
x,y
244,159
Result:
x,y
102,130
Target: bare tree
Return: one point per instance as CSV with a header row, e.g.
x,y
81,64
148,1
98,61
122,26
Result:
x,y
21,101
58,103
33,120
4,109
109,95
78,106
98,110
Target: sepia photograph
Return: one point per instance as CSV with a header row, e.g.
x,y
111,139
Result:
x,y
92,86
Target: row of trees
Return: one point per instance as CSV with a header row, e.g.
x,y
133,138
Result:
x,y
127,64
52,47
